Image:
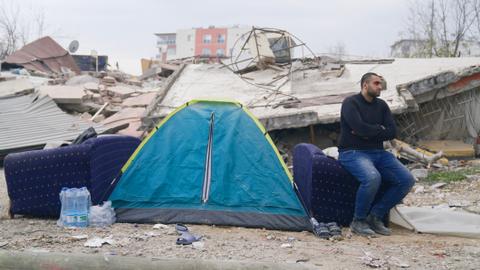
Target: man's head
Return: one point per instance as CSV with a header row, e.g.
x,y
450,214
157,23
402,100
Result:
x,y
371,84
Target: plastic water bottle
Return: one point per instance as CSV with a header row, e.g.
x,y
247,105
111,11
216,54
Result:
x,y
68,215
83,202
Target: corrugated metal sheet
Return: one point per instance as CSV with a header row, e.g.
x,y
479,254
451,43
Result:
x,y
44,55
29,122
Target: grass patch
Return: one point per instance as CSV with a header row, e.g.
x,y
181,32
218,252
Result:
x,y
452,176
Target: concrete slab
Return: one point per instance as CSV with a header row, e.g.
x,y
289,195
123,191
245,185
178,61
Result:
x,y
64,94
121,91
16,86
139,101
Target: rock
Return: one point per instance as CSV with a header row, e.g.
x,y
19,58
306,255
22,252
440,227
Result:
x,y
419,189
198,245
419,173
160,226
80,237
438,185
270,237
459,203
98,242
439,252
286,245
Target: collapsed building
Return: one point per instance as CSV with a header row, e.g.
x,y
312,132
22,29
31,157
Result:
x,y
296,95
299,99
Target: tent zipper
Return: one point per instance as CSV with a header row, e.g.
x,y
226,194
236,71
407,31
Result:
x,y
208,163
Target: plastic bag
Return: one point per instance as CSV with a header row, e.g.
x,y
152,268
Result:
x,y
102,215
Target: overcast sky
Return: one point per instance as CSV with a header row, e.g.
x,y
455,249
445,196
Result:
x,y
124,30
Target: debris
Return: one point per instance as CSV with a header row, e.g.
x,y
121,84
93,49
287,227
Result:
x,y
372,261
80,237
438,185
419,173
459,203
43,56
198,245
404,150
286,245
419,189
64,94
2,244
271,237
449,148
160,226
397,262
109,81
98,242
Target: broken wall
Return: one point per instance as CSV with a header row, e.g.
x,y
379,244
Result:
x,y
455,117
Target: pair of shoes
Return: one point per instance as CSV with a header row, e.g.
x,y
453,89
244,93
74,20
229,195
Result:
x,y
326,230
321,230
361,227
334,229
186,238
376,224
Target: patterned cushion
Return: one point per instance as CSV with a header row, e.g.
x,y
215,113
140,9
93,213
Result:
x,y
35,178
326,188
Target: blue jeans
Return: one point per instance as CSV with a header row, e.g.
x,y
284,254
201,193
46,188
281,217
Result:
x,y
371,168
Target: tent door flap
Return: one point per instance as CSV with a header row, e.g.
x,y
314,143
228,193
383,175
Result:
x,y
208,163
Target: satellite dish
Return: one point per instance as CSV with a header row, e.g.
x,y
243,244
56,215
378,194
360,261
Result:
x,y
73,47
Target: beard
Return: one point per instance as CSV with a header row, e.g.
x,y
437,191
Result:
x,y
372,93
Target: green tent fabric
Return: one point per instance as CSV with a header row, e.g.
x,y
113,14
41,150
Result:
x,y
209,162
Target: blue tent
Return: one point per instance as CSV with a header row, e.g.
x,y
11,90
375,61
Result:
x,y
209,162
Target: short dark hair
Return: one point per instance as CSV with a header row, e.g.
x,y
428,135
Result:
x,y
366,77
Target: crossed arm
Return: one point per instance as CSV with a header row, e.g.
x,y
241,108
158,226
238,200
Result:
x,y
378,132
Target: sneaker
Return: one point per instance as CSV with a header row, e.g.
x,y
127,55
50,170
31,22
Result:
x,y
361,227
377,225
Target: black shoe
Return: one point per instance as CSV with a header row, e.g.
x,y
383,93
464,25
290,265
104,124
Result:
x,y
361,227
377,225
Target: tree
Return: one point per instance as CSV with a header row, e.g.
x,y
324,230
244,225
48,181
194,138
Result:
x,y
15,30
442,28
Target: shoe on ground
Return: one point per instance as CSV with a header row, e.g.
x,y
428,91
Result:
x,y
361,227
376,224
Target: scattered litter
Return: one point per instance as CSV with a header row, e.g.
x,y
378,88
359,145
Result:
x,y
286,245
419,173
98,242
102,215
198,245
80,237
438,185
160,226
459,203
372,261
419,189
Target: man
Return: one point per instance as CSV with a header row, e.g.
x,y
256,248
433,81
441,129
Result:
x,y
366,121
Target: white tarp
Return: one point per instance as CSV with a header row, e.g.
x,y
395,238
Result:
x,y
445,221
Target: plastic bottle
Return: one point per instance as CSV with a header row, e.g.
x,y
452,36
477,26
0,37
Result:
x,y
83,203
69,211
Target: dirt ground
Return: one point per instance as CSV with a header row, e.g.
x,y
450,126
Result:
x,y
404,249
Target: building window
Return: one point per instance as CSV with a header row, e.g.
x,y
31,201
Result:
x,y
171,51
207,39
206,52
220,53
221,38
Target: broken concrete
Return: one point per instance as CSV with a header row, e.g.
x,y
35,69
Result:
x,y
64,94
20,86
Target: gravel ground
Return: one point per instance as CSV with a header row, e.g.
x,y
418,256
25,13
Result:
x,y
404,249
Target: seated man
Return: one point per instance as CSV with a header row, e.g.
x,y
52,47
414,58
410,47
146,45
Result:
x,y
366,121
